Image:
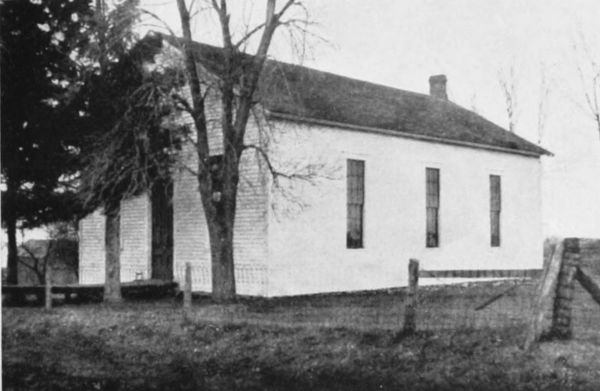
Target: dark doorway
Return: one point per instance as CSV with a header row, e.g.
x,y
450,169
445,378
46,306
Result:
x,y
162,229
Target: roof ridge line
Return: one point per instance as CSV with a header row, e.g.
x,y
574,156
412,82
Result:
x,y
465,127
399,133
289,64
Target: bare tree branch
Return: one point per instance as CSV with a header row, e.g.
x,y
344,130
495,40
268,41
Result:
x,y
309,173
199,115
588,70
163,24
544,95
248,35
36,264
224,19
508,84
219,176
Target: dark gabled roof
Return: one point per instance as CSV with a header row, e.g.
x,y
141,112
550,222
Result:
x,y
297,92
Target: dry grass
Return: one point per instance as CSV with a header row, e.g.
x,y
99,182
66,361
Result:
x,y
346,342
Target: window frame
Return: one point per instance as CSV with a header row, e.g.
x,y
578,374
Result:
x,y
432,205
355,202
495,182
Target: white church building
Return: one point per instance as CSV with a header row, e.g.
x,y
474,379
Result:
x,y
387,175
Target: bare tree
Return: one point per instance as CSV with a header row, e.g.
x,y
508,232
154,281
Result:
x,y
543,99
237,83
36,263
508,84
59,246
587,63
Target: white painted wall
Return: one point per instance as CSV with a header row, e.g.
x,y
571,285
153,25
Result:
x,y
136,239
191,243
135,235
307,249
91,248
295,243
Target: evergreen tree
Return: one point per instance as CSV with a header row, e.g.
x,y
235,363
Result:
x,y
39,133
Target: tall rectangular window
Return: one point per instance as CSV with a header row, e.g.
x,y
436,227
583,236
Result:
x,y
355,203
432,206
495,208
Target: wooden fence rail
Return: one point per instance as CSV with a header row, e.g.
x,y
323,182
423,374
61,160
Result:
x,y
89,293
482,273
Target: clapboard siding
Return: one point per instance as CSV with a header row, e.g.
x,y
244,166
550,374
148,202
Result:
x,y
189,225
135,243
191,242
135,238
91,248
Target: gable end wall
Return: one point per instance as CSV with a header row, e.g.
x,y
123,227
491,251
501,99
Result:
x,y
191,243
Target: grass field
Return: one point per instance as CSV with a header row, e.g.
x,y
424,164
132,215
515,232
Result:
x,y
334,342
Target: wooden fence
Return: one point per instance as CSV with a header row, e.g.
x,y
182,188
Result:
x,y
570,261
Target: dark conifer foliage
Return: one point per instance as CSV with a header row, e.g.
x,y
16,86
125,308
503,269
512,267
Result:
x,y
39,132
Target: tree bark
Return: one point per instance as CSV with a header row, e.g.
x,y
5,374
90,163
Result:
x,y
220,217
112,283
162,230
220,229
12,263
222,265
220,204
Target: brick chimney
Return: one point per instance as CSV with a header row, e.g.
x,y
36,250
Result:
x,y
437,87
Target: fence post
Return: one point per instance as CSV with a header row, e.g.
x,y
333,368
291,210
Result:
x,y
48,286
410,310
561,317
544,295
589,283
187,288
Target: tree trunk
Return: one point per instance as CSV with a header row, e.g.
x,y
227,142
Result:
x,y
220,219
112,283
12,263
162,230
221,251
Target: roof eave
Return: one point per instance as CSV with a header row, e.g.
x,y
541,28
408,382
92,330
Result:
x,y
368,129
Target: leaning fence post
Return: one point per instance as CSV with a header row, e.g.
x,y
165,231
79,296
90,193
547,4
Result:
x,y
48,287
561,317
410,311
544,295
187,288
